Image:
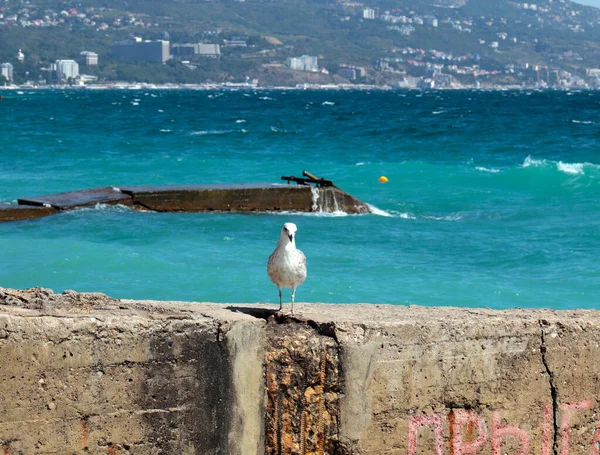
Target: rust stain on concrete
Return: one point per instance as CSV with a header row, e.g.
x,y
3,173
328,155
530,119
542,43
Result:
x,y
85,432
302,371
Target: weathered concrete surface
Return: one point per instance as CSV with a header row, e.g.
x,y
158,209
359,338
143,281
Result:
x,y
261,197
461,381
83,373
83,198
88,374
12,212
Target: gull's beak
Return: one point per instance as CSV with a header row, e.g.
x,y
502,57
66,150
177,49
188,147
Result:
x,y
291,236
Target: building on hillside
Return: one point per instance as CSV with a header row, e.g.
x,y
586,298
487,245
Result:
x,y
236,42
351,72
209,50
66,69
183,50
20,56
443,80
190,50
369,13
136,49
303,63
86,78
6,70
89,58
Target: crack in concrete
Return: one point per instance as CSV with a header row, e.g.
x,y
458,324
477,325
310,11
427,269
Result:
x,y
553,391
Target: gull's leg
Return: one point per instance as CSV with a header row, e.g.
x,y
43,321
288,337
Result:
x,y
293,296
280,302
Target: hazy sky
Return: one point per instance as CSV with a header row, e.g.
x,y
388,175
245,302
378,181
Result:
x,y
595,3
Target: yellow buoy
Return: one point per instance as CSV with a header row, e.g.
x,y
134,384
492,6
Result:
x,y
383,179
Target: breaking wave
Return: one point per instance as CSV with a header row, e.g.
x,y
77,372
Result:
x,y
567,168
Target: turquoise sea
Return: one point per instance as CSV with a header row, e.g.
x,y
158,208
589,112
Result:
x,y
493,198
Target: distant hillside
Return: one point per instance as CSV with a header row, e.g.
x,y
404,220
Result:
x,y
496,40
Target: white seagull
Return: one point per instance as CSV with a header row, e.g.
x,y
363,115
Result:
x,y
287,264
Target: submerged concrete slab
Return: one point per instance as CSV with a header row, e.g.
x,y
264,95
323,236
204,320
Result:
x,y
256,197
83,198
239,198
12,212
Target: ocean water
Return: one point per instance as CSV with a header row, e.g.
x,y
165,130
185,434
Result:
x,y
493,198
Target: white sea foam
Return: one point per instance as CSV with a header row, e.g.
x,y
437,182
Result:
x,y
328,103
529,161
567,168
164,130
240,121
265,98
335,214
377,211
570,168
437,112
315,198
584,122
360,163
451,217
104,207
485,169
390,214
209,132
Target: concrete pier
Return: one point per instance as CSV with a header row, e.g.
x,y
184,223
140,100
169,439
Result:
x,y
84,373
252,197
75,199
241,198
13,212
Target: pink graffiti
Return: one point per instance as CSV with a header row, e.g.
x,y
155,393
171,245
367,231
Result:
x,y
462,419
546,429
565,422
500,432
417,421
463,424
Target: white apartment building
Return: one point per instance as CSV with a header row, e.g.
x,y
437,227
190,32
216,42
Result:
x,y
368,13
66,69
303,63
6,70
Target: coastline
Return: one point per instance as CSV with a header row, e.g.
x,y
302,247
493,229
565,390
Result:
x,y
299,87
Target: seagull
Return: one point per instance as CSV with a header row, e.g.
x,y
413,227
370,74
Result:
x,y
287,264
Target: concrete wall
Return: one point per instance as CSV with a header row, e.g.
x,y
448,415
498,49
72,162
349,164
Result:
x,y
83,373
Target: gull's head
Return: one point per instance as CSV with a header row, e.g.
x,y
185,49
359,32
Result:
x,y
289,231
